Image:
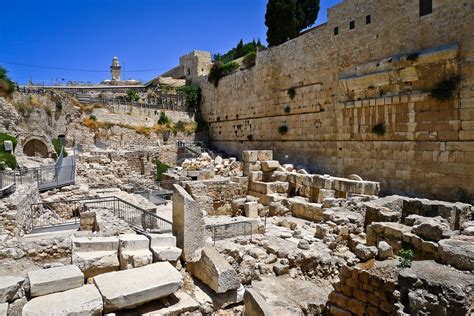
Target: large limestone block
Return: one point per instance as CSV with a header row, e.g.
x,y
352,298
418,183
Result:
x,y
162,240
131,288
3,309
9,286
251,209
458,252
255,304
179,303
188,224
54,280
134,251
165,253
95,255
213,270
85,300
270,165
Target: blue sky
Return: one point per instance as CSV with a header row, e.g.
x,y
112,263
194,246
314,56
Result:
x,y
144,34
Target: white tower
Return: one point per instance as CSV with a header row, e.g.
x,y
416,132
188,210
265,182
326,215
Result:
x,y
115,69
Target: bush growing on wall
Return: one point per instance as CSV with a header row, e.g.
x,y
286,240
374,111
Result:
x,y
283,130
379,129
291,93
250,59
192,93
58,147
163,119
160,169
220,70
445,89
6,85
6,158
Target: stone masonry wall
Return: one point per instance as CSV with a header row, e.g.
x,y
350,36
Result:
x,y
345,84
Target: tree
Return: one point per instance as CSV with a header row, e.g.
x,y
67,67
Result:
x,y
285,19
6,85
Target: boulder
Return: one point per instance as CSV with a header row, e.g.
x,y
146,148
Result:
x,y
364,252
85,300
95,255
467,228
255,304
188,224
431,228
385,251
58,279
9,286
458,252
281,269
214,271
134,251
130,288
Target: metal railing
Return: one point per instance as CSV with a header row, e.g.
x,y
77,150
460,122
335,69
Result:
x,y
50,216
230,230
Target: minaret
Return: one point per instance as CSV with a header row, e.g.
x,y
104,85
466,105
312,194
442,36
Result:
x,y
115,69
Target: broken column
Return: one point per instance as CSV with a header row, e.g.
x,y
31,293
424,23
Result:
x,y
188,224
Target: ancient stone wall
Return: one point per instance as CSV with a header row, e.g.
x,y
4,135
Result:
x,y
360,101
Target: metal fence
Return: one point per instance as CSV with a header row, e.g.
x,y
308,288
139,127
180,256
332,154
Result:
x,y
58,215
230,230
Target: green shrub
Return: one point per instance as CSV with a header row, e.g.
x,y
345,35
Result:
x,y
406,257
192,93
413,56
283,130
59,105
287,109
379,129
163,119
93,117
160,169
6,85
445,89
240,50
58,147
8,159
219,70
250,137
180,126
5,136
250,59
48,111
291,93
132,95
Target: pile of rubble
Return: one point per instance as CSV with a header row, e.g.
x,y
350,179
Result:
x,y
222,167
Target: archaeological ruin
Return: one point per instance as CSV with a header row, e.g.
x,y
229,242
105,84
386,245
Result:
x,y
334,175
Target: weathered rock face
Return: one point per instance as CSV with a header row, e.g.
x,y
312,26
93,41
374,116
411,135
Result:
x,y
365,252
54,280
255,304
188,224
433,229
9,286
131,288
215,271
385,251
458,252
95,255
429,288
85,300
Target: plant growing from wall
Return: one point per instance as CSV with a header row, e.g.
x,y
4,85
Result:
x,y
220,70
250,59
287,109
93,117
132,95
240,50
291,93
406,258
283,130
192,92
163,119
445,90
160,169
6,158
6,85
379,129
413,57
250,137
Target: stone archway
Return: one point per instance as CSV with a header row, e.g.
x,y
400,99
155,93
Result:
x,y
36,148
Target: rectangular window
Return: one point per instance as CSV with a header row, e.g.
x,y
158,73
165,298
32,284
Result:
x,y
368,19
351,25
426,7
336,30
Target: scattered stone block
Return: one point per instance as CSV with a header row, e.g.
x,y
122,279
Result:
x,y
179,303
255,304
364,252
458,252
162,240
9,286
95,255
281,269
85,300
385,251
249,156
166,253
88,222
433,229
264,155
325,194
251,209
214,271
270,165
52,280
134,251
188,224
130,288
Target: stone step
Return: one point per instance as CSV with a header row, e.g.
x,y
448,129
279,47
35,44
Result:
x,y
165,253
47,281
134,287
85,300
134,251
162,240
85,244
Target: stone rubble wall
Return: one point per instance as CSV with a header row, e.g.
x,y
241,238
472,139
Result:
x,y
175,116
345,84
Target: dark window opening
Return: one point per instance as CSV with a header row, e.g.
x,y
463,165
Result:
x,y
351,25
426,7
189,71
368,19
336,30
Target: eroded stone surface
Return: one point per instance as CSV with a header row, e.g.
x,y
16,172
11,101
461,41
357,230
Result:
x,y
54,280
9,286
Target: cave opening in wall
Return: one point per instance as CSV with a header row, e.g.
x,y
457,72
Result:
x,y
35,148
